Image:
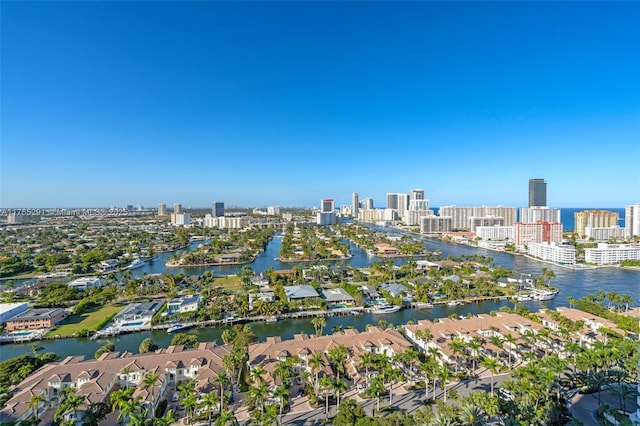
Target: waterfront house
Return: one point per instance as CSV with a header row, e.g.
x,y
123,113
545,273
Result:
x,y
394,289
85,283
34,319
337,296
184,304
138,312
107,266
299,292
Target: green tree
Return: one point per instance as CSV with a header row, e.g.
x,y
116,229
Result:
x,y
185,339
147,346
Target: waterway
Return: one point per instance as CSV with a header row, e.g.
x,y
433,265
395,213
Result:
x,y
571,283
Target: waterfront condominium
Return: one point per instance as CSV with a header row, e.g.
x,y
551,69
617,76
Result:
x,y
593,219
417,194
537,193
632,220
177,208
327,214
162,209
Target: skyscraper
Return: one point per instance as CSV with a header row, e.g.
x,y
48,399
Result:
x,y
417,194
537,193
392,201
162,209
355,205
327,206
632,220
217,209
177,208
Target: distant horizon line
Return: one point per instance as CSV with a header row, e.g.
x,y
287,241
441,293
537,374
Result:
x,y
4,210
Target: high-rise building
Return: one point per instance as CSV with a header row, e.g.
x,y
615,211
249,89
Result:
x,y
403,204
534,214
355,205
162,209
632,220
460,216
217,209
537,193
539,232
366,204
392,201
327,206
593,219
177,208
417,194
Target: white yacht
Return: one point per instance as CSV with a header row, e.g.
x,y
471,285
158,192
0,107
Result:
x,y
136,264
538,294
385,309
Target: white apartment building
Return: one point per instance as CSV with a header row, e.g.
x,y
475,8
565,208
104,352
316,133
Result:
x,y
435,224
539,232
475,221
225,222
273,210
370,215
611,254
460,216
495,233
535,214
604,234
181,219
554,252
632,220
412,217
326,218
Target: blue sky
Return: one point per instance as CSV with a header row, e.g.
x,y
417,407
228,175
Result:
x,y
285,103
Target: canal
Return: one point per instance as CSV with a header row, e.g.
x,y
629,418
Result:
x,y
571,283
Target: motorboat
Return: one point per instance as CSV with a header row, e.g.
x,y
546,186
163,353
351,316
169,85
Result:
x,y
385,309
178,327
538,294
136,264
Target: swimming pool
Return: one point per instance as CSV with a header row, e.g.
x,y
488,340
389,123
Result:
x,y
22,333
132,324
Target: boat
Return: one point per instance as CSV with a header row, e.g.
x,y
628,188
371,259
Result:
x,y
455,303
523,298
136,264
385,308
178,327
538,294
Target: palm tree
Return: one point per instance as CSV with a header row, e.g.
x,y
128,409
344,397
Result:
x,y
316,362
210,401
338,356
222,379
34,403
149,382
492,365
319,323
457,346
366,361
227,418
187,392
511,340
122,400
324,386
444,374
408,357
471,415
256,373
282,393
258,395
339,387
376,389
429,368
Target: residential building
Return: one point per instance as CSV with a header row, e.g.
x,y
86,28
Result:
x,y
537,193
392,201
273,210
327,206
299,292
611,254
604,234
225,222
539,232
355,204
327,214
106,266
162,209
85,283
177,208
403,204
95,379
412,217
370,215
632,220
34,319
417,194
337,296
366,204
394,289
181,219
303,347
460,216
594,219
495,233
475,221
8,310
138,312
217,209
184,304
554,252
435,224
535,214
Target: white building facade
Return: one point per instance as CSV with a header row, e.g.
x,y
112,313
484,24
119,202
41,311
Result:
x,y
554,252
611,254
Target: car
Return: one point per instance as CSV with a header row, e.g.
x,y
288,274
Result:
x,y
505,394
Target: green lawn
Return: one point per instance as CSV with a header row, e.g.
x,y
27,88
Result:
x,y
230,282
89,320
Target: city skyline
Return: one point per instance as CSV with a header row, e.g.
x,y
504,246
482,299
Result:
x,y
257,104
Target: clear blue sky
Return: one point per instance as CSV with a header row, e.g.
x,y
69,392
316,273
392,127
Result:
x,y
285,103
